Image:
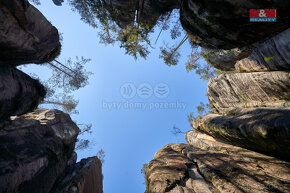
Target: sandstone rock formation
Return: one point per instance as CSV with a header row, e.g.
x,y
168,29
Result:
x,y
37,156
182,168
82,177
265,130
126,12
37,148
225,24
271,55
19,93
225,60
26,36
252,112
34,150
228,92
166,5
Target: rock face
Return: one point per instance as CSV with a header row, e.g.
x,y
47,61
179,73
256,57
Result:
x,y
225,60
182,168
228,92
37,149
225,24
145,12
252,112
272,55
83,177
166,5
19,93
26,36
34,150
265,130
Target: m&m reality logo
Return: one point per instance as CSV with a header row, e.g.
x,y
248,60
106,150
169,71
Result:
x,y
263,15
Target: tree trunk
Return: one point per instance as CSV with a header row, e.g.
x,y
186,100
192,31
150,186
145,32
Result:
x,y
162,27
54,103
180,44
64,66
59,69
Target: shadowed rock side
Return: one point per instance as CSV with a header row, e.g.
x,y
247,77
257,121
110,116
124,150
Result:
x,y
265,130
35,150
19,93
272,55
82,177
26,36
225,60
224,24
181,168
123,12
126,12
166,5
228,92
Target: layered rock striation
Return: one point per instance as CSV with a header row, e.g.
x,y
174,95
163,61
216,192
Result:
x,y
35,150
36,145
82,177
271,55
208,166
242,146
265,130
225,24
37,155
228,92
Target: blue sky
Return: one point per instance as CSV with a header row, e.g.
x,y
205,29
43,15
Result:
x,y
129,136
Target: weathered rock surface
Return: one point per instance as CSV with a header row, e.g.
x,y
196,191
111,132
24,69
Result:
x,y
126,12
82,177
19,93
225,24
228,92
34,151
272,55
181,168
26,36
266,130
166,5
225,60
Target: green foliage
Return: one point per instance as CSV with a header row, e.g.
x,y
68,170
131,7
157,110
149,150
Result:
x,y
85,128
175,31
143,171
101,155
176,131
69,76
66,102
203,69
169,56
82,144
135,40
190,118
203,109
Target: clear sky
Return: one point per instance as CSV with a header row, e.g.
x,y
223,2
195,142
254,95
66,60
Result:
x,y
130,130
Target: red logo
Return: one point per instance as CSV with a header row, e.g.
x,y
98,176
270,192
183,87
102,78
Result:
x,y
263,15
260,13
